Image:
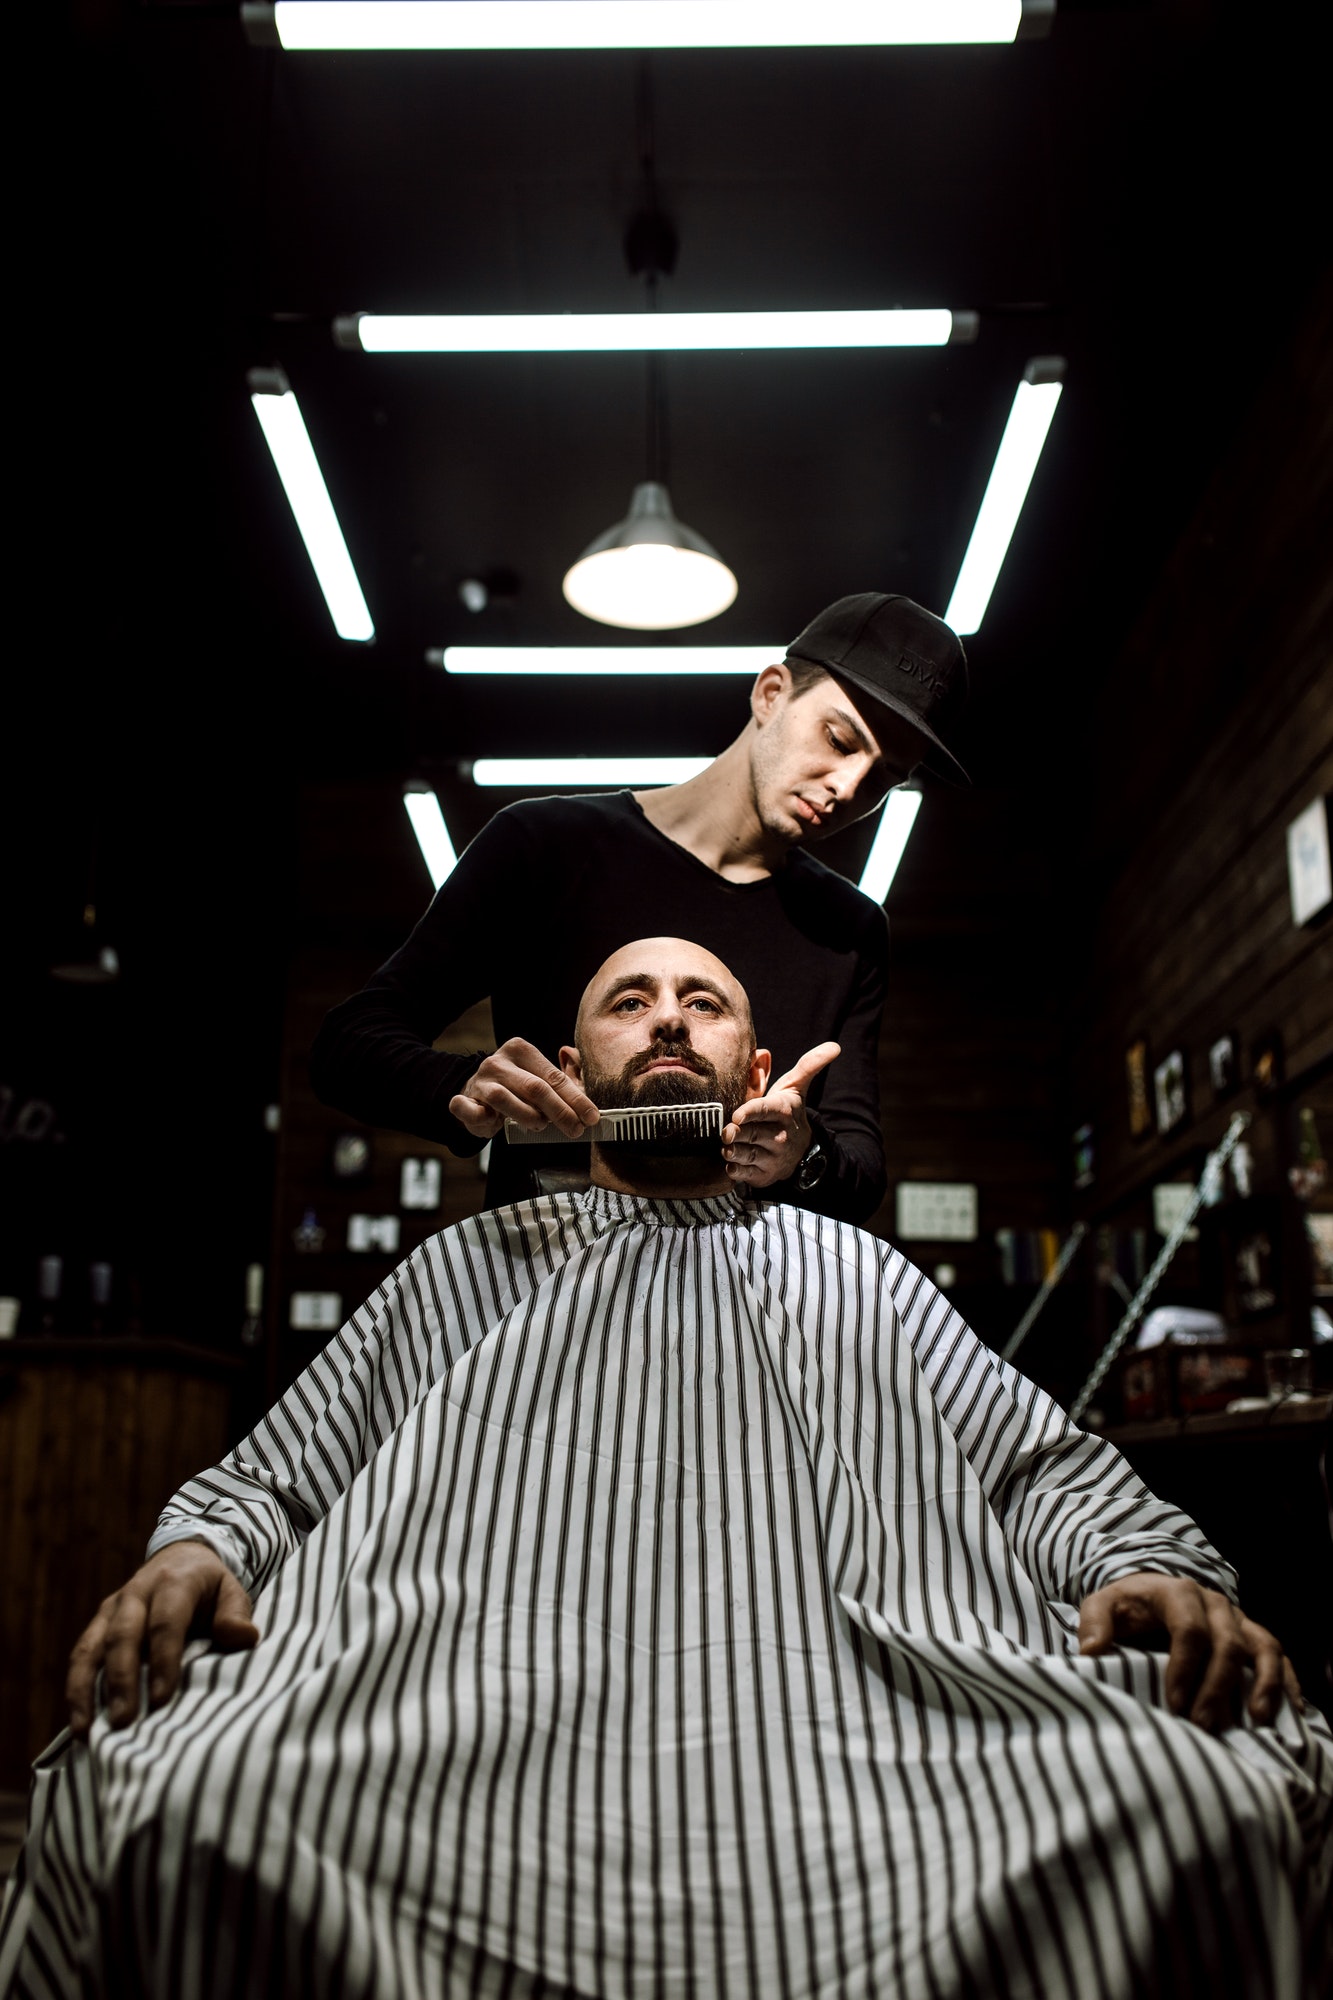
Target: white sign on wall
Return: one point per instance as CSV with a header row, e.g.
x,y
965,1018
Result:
x,y
419,1184
937,1211
373,1232
1309,865
316,1312
1170,1199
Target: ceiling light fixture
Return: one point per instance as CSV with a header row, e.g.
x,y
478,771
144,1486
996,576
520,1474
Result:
x,y
630,660
520,773
640,24
437,850
650,573
886,851
1002,503
648,333
283,426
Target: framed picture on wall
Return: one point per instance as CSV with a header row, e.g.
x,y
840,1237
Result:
x,y
1171,1091
1224,1066
1136,1084
1266,1064
1310,863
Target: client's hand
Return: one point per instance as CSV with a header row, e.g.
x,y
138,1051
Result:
x,y
184,1591
769,1136
519,1082
1212,1645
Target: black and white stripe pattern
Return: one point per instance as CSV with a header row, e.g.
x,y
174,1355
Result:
x,y
673,1599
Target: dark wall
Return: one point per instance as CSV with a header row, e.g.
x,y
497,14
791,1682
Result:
x,y
1214,731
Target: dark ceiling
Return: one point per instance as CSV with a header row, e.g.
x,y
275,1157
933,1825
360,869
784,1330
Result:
x,y
1135,193
1132,192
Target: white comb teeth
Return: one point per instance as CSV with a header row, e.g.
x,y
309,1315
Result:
x,y
628,1126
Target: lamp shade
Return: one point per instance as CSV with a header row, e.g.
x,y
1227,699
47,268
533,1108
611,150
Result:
x,y
650,573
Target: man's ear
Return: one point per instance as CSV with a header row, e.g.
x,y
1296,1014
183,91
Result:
x,y
761,1069
767,693
571,1062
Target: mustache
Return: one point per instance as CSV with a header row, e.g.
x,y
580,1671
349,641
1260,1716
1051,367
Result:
x,y
680,1052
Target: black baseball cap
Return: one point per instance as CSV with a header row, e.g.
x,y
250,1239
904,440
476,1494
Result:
x,y
901,655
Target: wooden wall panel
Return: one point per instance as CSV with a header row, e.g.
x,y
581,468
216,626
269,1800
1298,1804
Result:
x,y
90,1450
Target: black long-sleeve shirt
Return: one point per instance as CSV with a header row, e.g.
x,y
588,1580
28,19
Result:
x,y
543,895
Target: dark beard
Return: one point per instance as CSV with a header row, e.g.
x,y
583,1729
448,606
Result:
x,y
668,1162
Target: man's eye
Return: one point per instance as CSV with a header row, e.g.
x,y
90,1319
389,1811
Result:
x,y
625,1006
838,744
709,1006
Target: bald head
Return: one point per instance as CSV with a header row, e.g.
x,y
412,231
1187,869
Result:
x,y
663,964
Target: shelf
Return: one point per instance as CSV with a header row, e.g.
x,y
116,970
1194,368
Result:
x,y
117,1351
1221,1423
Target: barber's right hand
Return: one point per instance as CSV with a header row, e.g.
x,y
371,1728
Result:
x,y
519,1082
184,1591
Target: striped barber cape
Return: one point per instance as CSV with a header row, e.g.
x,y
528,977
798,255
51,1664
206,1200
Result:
x,y
673,1599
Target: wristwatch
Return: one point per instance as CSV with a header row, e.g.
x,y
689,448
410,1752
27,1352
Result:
x,y
813,1167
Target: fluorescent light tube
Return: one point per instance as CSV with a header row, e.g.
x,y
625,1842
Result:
x,y
635,24
516,773
283,426
437,850
631,660
644,333
896,822
1011,475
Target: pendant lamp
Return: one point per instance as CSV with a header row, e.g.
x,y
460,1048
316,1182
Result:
x,y
650,572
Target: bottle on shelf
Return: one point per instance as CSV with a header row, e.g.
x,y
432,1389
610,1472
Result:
x,y
50,1289
252,1326
100,1291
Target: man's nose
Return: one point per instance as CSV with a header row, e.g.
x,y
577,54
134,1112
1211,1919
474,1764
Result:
x,y
844,782
667,1021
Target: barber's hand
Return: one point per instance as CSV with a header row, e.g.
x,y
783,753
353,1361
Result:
x,y
519,1082
1212,1645
183,1592
769,1137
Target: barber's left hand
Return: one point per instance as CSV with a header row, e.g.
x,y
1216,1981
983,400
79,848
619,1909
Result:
x,y
1213,1645
768,1138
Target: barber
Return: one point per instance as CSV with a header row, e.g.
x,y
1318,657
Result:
x,y
872,688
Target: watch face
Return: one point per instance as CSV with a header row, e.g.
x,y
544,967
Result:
x,y
812,1167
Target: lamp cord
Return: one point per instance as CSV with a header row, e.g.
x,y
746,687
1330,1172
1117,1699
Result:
x,y
656,426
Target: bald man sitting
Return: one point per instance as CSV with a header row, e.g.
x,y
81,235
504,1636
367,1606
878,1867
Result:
x,y
651,1591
